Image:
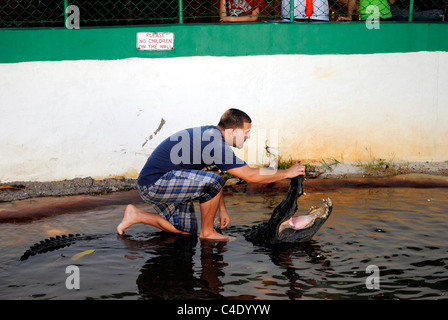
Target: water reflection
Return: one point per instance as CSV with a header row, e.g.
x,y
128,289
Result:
x,y
171,272
402,231
284,255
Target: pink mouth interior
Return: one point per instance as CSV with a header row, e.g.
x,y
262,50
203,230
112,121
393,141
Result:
x,y
300,222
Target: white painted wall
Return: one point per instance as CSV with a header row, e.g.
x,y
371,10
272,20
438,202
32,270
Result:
x,y
68,119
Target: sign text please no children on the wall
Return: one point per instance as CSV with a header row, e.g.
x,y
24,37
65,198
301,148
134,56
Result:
x,y
155,41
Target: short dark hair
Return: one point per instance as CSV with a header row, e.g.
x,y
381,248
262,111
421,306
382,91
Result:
x,y
233,119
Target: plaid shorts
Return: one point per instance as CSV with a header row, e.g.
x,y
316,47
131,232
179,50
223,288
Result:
x,y
173,194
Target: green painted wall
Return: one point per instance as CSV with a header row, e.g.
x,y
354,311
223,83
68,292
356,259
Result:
x,y
18,45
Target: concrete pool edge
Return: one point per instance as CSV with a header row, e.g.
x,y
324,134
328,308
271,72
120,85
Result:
x,y
26,210
347,174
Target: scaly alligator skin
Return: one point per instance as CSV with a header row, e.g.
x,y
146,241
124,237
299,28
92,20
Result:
x,y
55,243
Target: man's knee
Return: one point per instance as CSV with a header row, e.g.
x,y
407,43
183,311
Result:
x,y
215,181
220,180
212,185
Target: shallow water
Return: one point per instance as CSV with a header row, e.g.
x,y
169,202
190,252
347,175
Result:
x,y
403,232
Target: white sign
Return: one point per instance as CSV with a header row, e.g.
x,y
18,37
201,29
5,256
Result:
x,y
155,41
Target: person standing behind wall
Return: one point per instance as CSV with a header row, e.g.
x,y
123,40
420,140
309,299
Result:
x,y
319,9
383,7
240,10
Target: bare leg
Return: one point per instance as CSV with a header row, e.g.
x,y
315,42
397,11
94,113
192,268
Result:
x,y
133,215
208,212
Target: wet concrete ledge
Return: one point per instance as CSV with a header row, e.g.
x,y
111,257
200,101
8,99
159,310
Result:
x,y
21,190
40,200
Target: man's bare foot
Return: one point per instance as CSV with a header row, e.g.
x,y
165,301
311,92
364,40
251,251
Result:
x,y
214,236
128,220
133,215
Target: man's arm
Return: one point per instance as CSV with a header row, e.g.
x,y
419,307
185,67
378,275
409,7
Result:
x,y
266,175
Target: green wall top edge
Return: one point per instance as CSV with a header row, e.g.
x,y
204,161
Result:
x,y
111,43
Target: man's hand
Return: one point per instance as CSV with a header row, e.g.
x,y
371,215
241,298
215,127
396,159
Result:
x,y
266,175
224,218
295,170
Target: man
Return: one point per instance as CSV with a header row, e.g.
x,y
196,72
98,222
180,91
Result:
x,y
173,177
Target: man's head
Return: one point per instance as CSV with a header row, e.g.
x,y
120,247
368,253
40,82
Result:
x,y
235,125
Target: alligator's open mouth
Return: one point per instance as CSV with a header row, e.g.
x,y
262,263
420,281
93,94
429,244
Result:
x,y
283,227
315,217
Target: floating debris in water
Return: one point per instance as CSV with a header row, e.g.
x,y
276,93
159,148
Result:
x,y
82,254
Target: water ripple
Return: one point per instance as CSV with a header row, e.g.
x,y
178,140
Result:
x,y
400,231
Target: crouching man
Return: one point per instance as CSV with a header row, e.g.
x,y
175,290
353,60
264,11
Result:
x,y
172,177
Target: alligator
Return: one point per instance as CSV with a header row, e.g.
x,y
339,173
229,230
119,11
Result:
x,y
283,227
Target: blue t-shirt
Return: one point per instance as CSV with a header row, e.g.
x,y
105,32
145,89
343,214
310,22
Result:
x,y
193,149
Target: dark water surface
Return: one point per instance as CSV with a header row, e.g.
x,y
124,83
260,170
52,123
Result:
x,y
402,233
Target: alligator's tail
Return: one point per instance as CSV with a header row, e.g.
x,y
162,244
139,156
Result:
x,y
55,243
